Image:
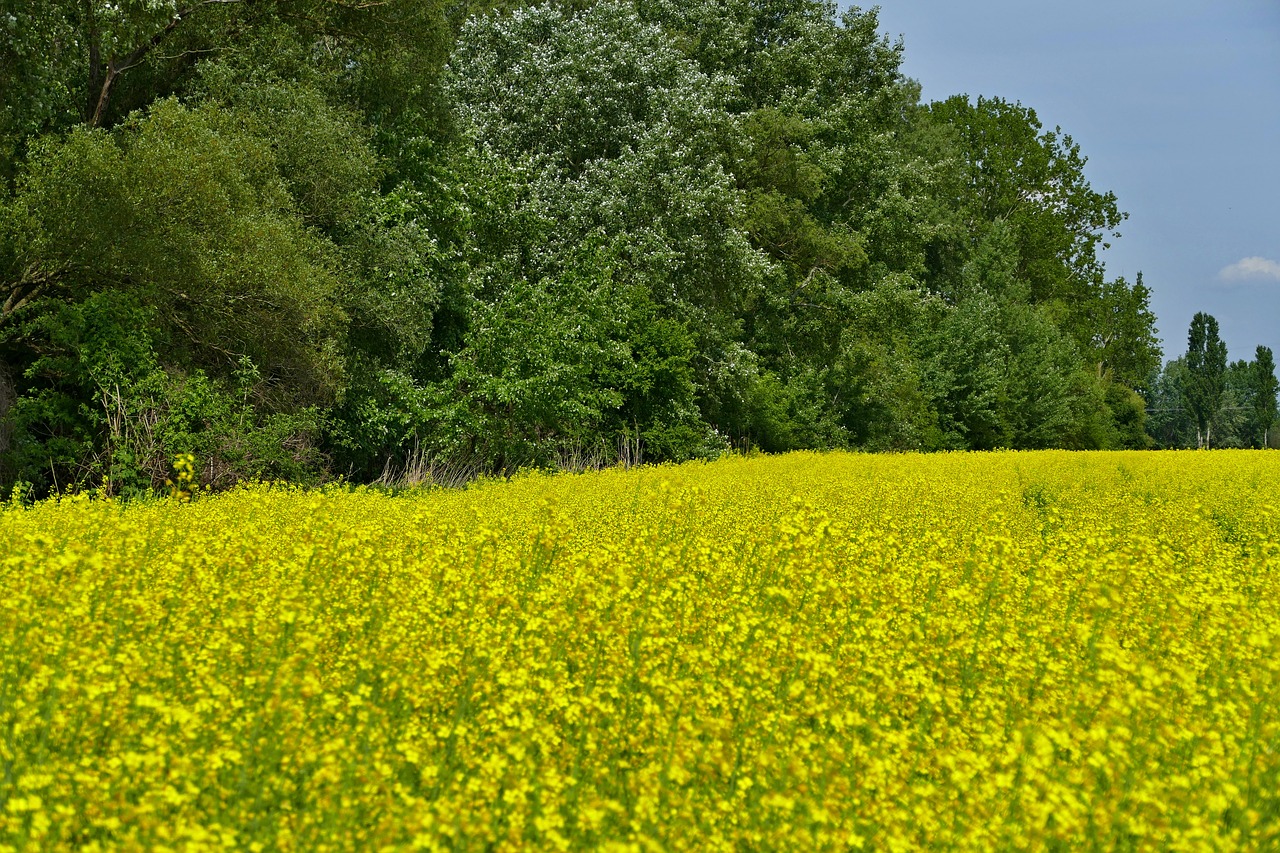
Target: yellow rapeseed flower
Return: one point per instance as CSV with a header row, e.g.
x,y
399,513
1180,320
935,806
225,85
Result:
x,y
808,652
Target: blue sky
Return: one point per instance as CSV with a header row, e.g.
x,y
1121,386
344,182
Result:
x,y
1177,106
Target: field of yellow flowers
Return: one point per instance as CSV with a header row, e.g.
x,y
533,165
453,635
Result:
x,y
827,652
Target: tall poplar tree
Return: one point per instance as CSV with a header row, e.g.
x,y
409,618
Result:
x,y
1206,375
1265,385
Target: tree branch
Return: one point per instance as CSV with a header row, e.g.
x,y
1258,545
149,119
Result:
x,y
23,292
116,67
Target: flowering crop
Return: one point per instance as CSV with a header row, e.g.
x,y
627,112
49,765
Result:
x,y
1014,650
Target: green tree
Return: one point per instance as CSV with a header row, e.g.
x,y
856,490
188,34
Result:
x,y
1264,387
967,376
1123,343
265,177
186,212
839,203
596,131
211,241
1003,372
542,231
1127,411
100,60
878,383
1034,181
1234,426
1169,419
1206,367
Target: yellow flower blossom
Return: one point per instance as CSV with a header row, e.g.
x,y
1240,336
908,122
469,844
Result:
x,y
808,652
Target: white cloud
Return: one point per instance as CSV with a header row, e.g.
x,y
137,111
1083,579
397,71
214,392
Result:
x,y
1247,269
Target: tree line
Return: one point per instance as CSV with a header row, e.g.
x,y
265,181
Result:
x,y
1201,400
317,238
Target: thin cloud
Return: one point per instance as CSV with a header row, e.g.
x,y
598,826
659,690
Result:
x,y
1250,269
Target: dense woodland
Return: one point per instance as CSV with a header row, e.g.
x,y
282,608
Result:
x,y
309,239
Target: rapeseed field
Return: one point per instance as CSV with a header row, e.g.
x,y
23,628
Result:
x,y
808,652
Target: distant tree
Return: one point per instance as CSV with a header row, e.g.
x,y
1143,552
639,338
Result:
x,y
1235,425
1124,346
1128,411
1206,375
1264,391
1033,181
1169,421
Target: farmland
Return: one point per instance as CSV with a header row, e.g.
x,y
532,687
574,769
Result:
x,y
807,651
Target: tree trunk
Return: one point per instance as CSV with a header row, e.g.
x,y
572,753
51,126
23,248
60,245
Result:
x,y
94,38
100,83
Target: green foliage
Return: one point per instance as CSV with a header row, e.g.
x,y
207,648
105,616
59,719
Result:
x,y
302,238
968,373
1035,182
1128,418
98,408
1123,332
1003,375
606,137
1233,425
1200,400
1169,421
195,221
878,382
1263,388
1205,379
36,57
